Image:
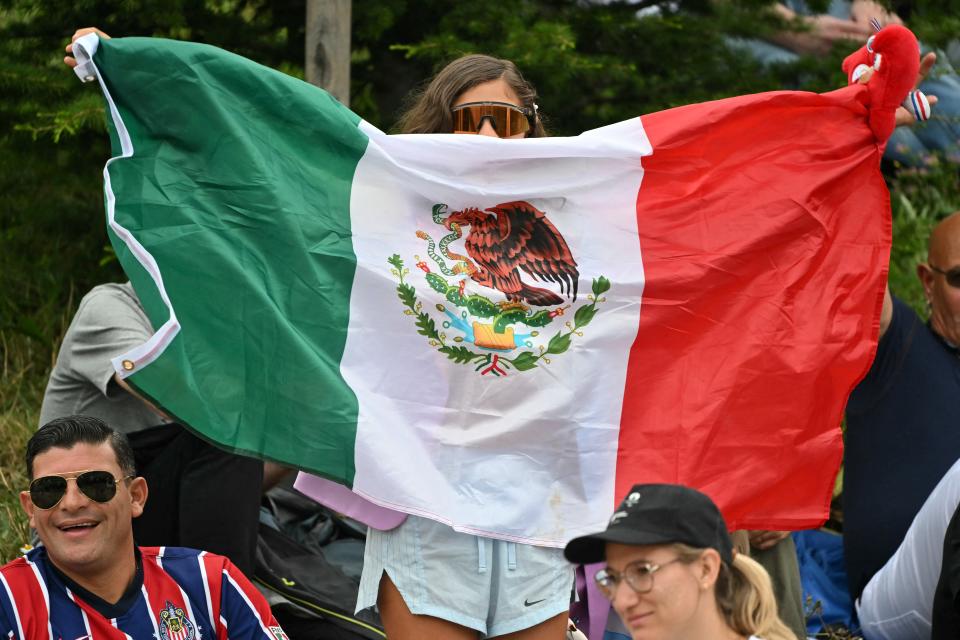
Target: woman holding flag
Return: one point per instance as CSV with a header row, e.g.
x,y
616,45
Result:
x,y
427,579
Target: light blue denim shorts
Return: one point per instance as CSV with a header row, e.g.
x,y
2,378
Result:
x,y
492,586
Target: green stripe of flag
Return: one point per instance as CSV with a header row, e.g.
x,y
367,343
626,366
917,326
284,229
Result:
x,y
260,189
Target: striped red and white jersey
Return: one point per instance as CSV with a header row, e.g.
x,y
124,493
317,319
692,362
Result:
x,y
178,594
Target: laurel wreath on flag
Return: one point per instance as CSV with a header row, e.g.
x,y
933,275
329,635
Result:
x,y
494,363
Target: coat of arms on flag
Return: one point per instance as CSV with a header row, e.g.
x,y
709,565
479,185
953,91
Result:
x,y
503,241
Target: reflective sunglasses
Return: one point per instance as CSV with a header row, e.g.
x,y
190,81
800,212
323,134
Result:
x,y
952,276
505,118
637,575
99,486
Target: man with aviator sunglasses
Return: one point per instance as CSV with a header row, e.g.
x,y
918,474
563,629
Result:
x,y
902,425
89,579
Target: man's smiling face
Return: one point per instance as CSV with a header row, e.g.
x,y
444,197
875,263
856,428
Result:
x,y
84,537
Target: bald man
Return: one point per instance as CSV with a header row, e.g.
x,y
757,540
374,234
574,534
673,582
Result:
x,y
941,280
903,419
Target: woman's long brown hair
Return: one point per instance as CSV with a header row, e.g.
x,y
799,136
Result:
x,y
431,108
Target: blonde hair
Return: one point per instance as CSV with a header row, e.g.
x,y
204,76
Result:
x,y
431,110
744,596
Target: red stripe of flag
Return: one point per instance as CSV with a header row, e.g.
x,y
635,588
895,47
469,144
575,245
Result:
x,y
765,230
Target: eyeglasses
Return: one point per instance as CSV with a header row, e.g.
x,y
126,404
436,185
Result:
x,y
638,576
952,275
99,486
505,118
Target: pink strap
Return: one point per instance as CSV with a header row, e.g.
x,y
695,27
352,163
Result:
x,y
342,500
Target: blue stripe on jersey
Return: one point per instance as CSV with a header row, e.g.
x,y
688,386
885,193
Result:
x,y
243,619
183,565
66,618
137,622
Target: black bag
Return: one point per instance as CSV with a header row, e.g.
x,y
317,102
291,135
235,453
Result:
x,y
309,561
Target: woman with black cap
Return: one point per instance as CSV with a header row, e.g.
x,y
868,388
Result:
x,y
672,574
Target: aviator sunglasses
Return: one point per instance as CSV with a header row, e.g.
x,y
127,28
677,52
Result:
x,y
952,276
505,118
99,486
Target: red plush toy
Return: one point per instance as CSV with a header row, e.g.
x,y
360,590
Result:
x,y
893,54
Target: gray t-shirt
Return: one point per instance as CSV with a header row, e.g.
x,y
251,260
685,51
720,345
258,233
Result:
x,y
109,322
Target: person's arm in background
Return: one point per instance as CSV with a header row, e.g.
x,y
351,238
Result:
x,y
766,539
109,321
863,11
822,31
120,382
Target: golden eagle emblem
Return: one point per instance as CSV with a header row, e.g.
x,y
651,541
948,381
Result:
x,y
504,243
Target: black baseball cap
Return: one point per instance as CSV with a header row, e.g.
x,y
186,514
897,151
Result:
x,y
658,514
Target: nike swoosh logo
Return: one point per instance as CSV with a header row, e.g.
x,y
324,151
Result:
x,y
527,603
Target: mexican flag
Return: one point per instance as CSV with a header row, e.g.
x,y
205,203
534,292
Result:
x,y
502,335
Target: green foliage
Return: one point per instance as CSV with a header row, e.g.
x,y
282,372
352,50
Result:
x,y
936,22
20,394
616,63
24,365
